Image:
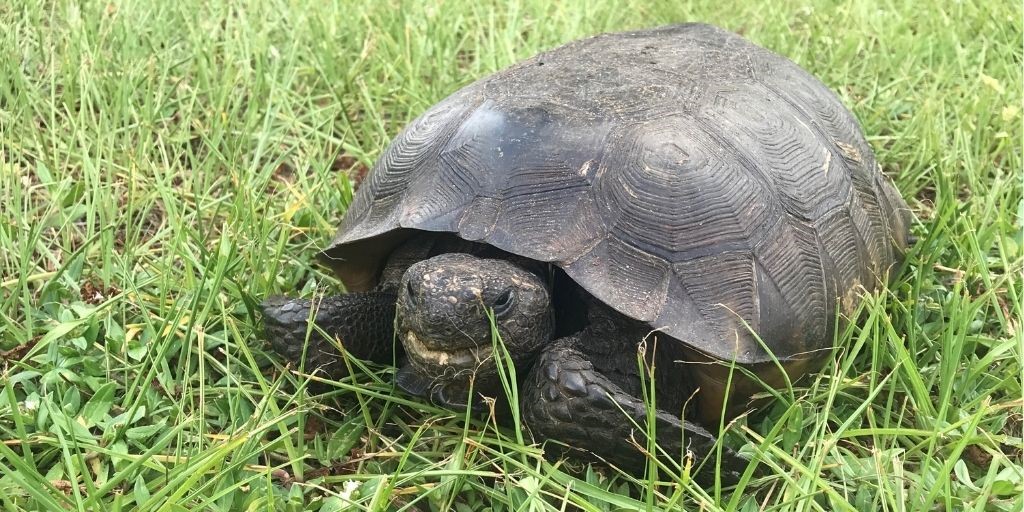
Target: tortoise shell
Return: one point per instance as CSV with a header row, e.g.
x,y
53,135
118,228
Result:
x,y
682,175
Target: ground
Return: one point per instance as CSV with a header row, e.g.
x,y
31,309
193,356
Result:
x,y
165,165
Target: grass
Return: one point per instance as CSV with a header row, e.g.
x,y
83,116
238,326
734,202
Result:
x,y
165,165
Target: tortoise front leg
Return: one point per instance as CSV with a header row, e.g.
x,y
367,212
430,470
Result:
x,y
361,323
570,400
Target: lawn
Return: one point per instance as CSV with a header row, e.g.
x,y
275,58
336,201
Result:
x,y
166,165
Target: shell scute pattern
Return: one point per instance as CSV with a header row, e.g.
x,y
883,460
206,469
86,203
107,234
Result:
x,y
682,175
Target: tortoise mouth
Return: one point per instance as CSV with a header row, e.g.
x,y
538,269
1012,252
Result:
x,y
439,359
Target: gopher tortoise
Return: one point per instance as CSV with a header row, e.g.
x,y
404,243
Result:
x,y
675,202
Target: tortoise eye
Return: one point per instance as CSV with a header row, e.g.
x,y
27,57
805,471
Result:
x,y
503,303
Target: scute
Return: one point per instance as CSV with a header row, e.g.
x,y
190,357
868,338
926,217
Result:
x,y
677,192
790,263
682,175
724,289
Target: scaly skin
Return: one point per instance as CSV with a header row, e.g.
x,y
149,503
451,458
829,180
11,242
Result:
x,y
363,323
566,398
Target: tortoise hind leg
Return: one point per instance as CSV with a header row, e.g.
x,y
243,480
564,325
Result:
x,y
361,323
568,399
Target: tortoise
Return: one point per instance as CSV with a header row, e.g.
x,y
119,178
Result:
x,y
674,202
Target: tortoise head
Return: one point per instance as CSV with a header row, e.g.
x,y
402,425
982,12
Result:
x,y
444,326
